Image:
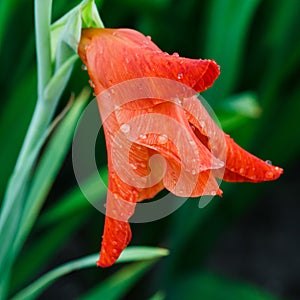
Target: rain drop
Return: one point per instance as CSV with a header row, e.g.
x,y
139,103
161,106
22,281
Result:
x,y
133,166
162,139
125,128
114,243
148,37
179,75
202,124
268,162
92,84
83,67
177,101
269,175
213,193
194,172
175,54
242,170
143,136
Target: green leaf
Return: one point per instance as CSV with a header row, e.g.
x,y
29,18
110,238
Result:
x,y
227,28
237,109
209,286
49,166
128,255
42,249
120,283
74,202
158,296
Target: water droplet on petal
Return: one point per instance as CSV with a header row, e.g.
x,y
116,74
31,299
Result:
x,y
179,76
162,139
143,136
92,84
177,101
125,128
202,124
242,170
114,243
133,166
114,251
268,162
192,142
269,175
213,193
175,54
194,172
83,67
148,37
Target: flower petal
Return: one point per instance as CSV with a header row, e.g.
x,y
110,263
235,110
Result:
x,y
240,164
113,56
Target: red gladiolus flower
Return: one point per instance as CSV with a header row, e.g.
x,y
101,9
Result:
x,y
140,132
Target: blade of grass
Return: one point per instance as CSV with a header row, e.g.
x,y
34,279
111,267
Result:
x,y
43,249
120,283
228,25
128,255
49,166
74,202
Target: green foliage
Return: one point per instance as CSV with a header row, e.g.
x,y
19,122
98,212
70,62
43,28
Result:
x,y
256,100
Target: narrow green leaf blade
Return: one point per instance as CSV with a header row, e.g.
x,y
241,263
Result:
x,y
120,283
129,254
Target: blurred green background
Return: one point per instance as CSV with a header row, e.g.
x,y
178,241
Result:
x,y
242,246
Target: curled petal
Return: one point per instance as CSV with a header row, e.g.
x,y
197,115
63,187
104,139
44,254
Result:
x,y
113,56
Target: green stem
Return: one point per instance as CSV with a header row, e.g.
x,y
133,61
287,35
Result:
x,y
42,15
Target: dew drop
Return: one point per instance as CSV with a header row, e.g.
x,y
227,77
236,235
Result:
x,y
143,165
114,251
125,128
175,54
115,243
162,139
242,170
83,67
92,84
179,76
194,172
192,142
143,136
133,166
213,193
148,37
177,101
202,124
269,175
268,162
